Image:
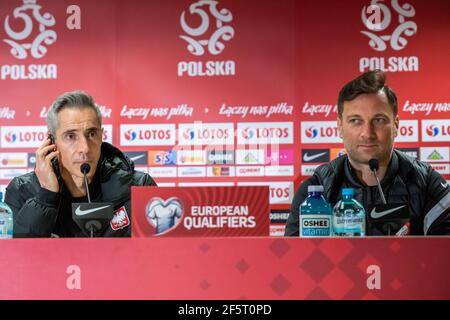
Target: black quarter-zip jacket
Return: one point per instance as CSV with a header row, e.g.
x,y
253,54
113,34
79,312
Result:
x,y
39,212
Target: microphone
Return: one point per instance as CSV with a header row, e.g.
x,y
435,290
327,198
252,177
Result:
x,y
85,168
386,218
374,166
91,217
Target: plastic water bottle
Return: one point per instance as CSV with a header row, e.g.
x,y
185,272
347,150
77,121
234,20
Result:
x,y
6,220
349,216
315,214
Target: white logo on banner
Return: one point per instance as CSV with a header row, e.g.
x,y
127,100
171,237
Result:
x,y
207,10
377,17
214,44
377,24
20,42
24,42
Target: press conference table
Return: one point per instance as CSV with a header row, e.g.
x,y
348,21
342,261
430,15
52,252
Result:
x,y
225,268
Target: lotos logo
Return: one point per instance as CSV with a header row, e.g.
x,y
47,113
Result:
x,y
247,133
432,131
21,42
147,134
23,137
379,20
207,10
436,130
189,134
130,135
164,216
311,132
319,132
10,137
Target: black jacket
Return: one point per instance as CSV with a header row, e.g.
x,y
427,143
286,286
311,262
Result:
x,y
407,180
39,212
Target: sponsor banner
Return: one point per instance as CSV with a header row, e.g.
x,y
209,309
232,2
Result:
x,y
319,132
216,156
441,168
162,157
13,160
191,157
315,155
250,156
434,154
9,174
279,216
408,131
107,133
200,211
23,136
138,157
436,130
206,184
191,171
280,192
412,152
272,133
200,133
162,172
279,171
308,170
277,230
220,171
256,171
280,156
147,135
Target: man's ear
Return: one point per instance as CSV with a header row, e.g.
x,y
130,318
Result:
x,y
339,125
396,125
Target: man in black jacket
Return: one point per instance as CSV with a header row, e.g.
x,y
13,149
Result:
x,y
368,122
42,200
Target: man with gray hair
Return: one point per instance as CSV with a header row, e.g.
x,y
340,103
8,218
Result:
x,y
41,200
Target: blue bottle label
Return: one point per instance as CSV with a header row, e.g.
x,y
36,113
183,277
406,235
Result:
x,y
315,225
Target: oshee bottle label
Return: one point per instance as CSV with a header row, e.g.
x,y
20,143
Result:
x,y
313,225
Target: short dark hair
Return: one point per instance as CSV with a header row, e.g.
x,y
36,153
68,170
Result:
x,y
369,82
74,99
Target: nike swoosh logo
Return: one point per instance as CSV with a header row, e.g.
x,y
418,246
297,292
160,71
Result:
x,y
80,212
374,214
444,185
308,158
137,157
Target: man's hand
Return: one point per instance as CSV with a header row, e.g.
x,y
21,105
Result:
x,y
44,170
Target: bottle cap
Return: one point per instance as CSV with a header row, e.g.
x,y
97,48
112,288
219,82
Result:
x,y
315,188
348,191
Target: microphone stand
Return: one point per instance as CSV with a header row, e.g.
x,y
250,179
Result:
x,y
85,171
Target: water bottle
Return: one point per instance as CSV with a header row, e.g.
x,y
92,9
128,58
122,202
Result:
x,y
349,217
6,220
315,214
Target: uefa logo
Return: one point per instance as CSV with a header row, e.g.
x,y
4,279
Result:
x,y
212,24
164,215
21,41
377,17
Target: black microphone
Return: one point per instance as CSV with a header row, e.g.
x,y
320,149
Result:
x,y
386,218
91,217
85,168
374,166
